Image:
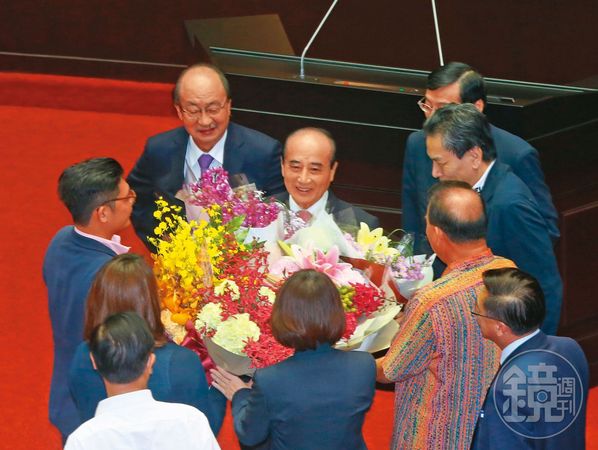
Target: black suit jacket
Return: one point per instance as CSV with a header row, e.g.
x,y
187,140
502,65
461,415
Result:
x,y
492,432
344,213
316,399
160,169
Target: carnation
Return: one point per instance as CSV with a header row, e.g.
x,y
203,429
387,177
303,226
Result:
x,y
234,333
265,291
230,286
210,317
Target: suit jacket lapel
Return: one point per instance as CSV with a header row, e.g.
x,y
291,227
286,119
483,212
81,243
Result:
x,y
494,176
233,162
175,177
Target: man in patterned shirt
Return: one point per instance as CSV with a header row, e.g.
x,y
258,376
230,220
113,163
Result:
x,y
441,364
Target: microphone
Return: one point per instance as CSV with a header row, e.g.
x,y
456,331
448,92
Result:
x,y
302,60
437,29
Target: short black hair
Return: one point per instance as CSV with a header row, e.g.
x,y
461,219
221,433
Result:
x,y
84,186
177,87
462,127
515,298
121,346
471,83
448,220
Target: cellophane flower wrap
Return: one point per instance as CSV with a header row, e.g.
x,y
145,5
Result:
x,y
409,272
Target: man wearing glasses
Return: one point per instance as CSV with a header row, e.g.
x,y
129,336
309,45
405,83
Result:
x,y
460,146
539,397
207,139
458,83
100,202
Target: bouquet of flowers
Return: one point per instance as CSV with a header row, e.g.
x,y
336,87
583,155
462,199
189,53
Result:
x,y
218,287
214,284
384,258
360,298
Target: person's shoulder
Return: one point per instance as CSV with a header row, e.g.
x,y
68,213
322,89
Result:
x,y
61,235
166,137
249,134
362,358
509,146
416,138
178,354
509,187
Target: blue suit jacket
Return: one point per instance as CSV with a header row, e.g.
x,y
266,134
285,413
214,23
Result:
x,y
316,399
70,265
492,433
510,149
344,213
160,169
177,377
517,231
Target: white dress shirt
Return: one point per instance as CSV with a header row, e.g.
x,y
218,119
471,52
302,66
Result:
x,y
515,345
136,421
315,209
113,244
192,170
482,181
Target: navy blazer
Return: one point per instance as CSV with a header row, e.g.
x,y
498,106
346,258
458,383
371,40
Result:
x,y
160,169
316,399
492,433
517,231
70,265
344,213
510,149
177,377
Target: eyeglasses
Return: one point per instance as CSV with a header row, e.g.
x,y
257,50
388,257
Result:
x,y
427,108
131,195
473,313
213,109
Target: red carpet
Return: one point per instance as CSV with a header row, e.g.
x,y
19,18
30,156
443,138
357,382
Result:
x,y
37,144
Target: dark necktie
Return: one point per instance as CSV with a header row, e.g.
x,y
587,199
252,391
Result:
x,y
204,162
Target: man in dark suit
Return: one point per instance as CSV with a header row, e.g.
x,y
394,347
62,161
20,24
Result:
x,y
460,147
308,168
539,397
100,202
459,83
207,139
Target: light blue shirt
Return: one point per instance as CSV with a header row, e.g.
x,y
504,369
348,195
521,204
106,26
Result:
x,y
192,172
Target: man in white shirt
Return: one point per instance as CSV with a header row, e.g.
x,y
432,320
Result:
x,y
308,168
538,399
460,145
100,202
121,350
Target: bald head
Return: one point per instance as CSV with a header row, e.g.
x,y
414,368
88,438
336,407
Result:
x,y
206,72
202,102
457,210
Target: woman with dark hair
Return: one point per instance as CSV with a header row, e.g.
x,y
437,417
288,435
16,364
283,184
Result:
x,y
127,283
318,397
